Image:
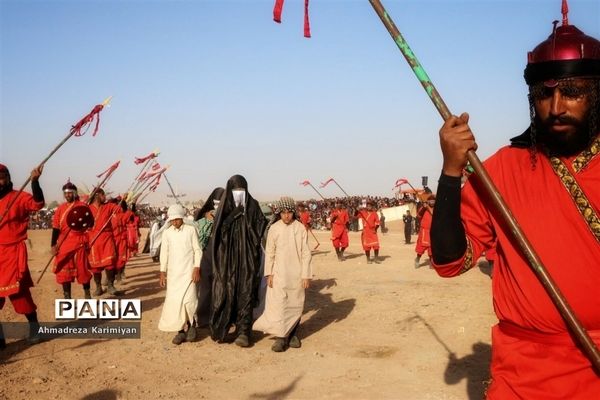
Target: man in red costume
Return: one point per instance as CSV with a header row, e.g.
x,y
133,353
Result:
x,y
339,229
132,224
103,252
424,215
70,246
118,223
15,279
304,216
548,177
370,222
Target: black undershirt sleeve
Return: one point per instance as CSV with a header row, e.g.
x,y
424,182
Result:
x,y
36,191
448,240
55,233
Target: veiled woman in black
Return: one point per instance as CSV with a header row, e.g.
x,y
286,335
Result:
x,y
236,251
204,219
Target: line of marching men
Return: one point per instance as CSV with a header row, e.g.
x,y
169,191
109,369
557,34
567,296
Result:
x,y
88,237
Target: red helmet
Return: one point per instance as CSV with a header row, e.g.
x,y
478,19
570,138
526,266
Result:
x,y
80,218
566,53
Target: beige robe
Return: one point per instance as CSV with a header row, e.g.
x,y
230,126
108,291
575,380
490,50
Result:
x,y
288,259
179,255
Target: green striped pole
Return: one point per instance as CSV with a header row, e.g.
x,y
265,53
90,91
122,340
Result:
x,y
565,310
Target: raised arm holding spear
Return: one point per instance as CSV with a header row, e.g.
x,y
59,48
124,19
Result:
x,y
563,74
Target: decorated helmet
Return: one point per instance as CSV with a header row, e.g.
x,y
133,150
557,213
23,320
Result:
x,y
567,52
69,187
80,218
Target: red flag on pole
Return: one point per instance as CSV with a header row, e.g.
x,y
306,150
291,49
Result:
x,y
139,160
109,170
156,183
305,183
278,8
151,174
327,182
155,166
87,121
400,182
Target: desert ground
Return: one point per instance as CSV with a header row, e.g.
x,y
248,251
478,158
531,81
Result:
x,y
369,331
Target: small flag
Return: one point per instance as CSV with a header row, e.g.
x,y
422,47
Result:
x,y
110,170
400,182
305,183
327,182
150,156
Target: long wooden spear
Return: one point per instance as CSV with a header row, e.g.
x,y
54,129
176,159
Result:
x,y
76,130
173,192
565,310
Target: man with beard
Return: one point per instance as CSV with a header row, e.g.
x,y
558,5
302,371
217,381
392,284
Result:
x,y
70,246
548,177
15,279
236,247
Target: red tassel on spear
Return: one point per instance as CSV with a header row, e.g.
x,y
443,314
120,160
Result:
x,y
110,169
278,8
76,130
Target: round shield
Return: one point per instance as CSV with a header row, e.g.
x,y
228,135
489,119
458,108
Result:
x,y
80,218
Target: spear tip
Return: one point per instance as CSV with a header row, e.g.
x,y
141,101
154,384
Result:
x,y
107,100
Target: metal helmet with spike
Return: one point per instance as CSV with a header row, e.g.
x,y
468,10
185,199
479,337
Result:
x,y
567,52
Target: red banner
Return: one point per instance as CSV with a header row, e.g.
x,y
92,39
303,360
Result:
x,y
327,182
139,160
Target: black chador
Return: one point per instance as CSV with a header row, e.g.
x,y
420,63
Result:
x,y
236,250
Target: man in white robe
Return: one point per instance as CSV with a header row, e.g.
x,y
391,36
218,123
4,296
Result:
x,y
288,273
179,271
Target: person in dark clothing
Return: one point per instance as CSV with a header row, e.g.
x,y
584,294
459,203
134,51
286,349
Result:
x,y
236,251
408,226
205,223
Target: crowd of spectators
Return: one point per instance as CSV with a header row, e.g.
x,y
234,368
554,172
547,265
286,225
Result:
x,y
319,210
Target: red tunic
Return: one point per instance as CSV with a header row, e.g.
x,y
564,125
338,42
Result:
x,y
533,355
72,249
120,236
133,238
14,272
423,244
305,219
103,254
339,232
370,221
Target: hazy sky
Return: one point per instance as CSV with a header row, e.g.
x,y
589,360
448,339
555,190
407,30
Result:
x,y
220,89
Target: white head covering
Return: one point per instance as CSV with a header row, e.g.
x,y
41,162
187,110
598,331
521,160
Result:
x,y
175,211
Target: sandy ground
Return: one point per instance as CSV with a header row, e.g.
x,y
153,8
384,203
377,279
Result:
x,y
372,331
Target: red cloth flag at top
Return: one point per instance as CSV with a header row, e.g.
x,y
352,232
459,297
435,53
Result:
x,y
323,184
139,160
110,169
400,182
86,121
278,8
155,166
305,183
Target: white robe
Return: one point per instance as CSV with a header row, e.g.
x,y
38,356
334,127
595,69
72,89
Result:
x,y
179,255
288,259
155,237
